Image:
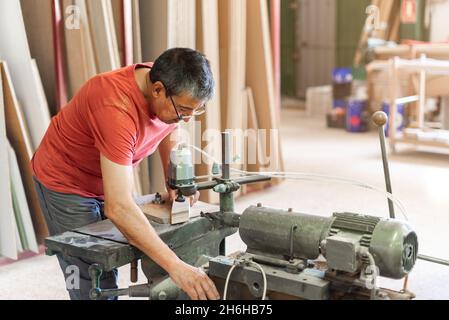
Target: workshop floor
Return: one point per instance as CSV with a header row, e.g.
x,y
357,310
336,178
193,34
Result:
x,y
420,180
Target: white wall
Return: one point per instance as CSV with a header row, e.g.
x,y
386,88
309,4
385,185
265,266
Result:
x,y
439,25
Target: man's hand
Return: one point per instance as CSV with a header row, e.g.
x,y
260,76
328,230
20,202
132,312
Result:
x,y
172,194
194,282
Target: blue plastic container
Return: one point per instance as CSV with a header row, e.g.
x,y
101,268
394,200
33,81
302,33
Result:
x,y
356,116
399,118
337,103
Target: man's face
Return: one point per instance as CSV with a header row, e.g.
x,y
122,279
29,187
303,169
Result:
x,y
173,109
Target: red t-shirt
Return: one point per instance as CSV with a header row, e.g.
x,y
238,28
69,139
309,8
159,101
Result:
x,y
109,115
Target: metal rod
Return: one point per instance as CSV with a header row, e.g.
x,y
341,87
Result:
x,y
225,155
380,119
240,180
434,260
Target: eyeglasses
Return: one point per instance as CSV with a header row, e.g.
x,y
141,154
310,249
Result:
x,y
181,116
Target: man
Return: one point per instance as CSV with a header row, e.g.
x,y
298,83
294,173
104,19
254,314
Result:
x,y
83,167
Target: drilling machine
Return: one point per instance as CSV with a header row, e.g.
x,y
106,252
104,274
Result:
x,y
289,255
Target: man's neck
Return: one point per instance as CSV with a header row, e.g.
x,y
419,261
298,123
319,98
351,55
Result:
x,y
141,76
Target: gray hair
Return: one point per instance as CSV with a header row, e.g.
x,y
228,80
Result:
x,y
184,71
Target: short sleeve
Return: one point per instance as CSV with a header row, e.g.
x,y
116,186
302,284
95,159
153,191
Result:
x,y
114,133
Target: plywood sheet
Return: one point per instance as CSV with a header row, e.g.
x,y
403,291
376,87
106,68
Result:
x,y
117,11
259,77
40,37
15,50
232,42
137,42
23,217
208,43
17,133
80,56
160,213
104,37
174,21
8,233
232,28
59,45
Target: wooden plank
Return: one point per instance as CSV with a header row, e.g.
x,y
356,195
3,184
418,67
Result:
x,y
259,77
42,99
128,32
160,213
275,22
101,19
175,22
137,42
232,28
17,134
39,29
81,63
117,11
14,49
59,44
181,24
232,22
8,240
207,42
153,16
23,216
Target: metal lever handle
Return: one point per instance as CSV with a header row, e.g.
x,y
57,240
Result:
x,y
380,118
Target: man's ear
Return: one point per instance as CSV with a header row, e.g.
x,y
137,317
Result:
x,y
158,89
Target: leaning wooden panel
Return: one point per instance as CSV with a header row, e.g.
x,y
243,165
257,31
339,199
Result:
x,y
207,42
153,16
17,134
78,44
39,30
232,28
14,49
137,40
174,21
101,19
8,235
259,77
232,21
23,215
117,10
181,24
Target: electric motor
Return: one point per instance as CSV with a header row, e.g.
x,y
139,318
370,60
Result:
x,y
341,239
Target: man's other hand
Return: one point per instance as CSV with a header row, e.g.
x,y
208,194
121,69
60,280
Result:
x,y
194,282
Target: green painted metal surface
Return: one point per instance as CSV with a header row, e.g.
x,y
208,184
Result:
x,y
350,20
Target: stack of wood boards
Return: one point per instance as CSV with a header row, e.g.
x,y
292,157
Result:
x,y
50,48
16,228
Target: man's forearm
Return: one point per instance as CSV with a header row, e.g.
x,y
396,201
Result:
x,y
130,220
